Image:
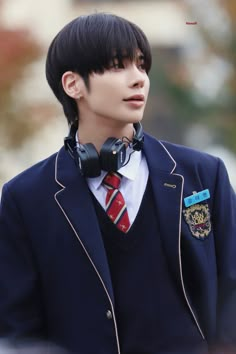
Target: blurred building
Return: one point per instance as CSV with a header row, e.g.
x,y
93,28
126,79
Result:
x,y
174,36
163,22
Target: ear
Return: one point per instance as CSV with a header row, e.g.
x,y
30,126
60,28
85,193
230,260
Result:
x,y
72,84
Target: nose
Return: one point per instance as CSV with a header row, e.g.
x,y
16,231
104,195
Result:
x,y
137,77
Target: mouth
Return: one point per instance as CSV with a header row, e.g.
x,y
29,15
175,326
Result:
x,y
135,98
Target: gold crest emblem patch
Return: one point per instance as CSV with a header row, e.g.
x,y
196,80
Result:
x,y
198,219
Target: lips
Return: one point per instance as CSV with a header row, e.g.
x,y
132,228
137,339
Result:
x,y
135,98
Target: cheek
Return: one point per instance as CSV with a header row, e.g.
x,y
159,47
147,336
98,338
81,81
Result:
x,y
147,85
101,99
106,92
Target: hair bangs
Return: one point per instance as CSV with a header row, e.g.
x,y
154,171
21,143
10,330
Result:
x,y
108,37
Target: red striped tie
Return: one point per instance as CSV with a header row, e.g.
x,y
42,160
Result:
x,y
115,204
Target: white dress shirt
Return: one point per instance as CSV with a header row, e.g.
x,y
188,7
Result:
x,y
133,183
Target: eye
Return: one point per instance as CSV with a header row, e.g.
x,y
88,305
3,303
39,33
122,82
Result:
x,y
116,64
141,65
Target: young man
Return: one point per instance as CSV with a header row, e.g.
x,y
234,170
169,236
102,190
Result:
x,y
114,244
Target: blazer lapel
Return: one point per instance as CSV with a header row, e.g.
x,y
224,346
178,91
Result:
x,y
168,194
168,190
75,201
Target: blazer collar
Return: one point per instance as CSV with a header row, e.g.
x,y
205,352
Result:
x,y
157,155
66,171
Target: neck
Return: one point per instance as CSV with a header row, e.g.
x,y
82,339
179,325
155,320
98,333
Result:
x,y
97,135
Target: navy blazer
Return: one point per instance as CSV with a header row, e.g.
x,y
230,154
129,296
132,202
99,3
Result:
x,y
55,282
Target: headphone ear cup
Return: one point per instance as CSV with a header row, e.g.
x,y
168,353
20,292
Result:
x,y
88,160
112,154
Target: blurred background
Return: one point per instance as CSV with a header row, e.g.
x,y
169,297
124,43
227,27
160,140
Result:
x,y
193,79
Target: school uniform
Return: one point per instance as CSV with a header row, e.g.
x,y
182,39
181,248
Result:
x,y
69,276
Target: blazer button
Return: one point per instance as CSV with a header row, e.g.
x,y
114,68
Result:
x,y
109,314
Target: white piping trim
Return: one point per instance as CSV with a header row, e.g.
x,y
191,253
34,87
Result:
x,y
99,276
179,249
180,261
175,164
179,242
56,163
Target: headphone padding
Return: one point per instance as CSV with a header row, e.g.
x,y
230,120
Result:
x,y
89,160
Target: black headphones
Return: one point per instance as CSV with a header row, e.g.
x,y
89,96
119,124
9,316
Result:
x,y
112,155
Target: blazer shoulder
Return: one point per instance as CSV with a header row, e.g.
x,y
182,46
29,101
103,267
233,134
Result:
x,y
34,176
183,158
197,165
184,155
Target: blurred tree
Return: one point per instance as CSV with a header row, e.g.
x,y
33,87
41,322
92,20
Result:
x,y
173,105
18,119
225,108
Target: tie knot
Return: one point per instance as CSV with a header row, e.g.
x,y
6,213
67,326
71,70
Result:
x,y
112,180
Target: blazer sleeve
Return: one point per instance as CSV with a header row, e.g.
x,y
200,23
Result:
x,y
20,304
224,216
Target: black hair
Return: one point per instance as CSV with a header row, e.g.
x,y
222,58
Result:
x,y
88,44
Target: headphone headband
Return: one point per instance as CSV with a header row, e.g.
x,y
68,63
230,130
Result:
x,y
112,155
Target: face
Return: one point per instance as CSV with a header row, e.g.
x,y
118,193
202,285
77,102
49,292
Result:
x,y
118,95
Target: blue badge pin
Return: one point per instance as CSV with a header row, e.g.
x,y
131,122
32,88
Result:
x,y
196,198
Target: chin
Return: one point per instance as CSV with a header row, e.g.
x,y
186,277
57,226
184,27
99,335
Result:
x,y
129,119
136,119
